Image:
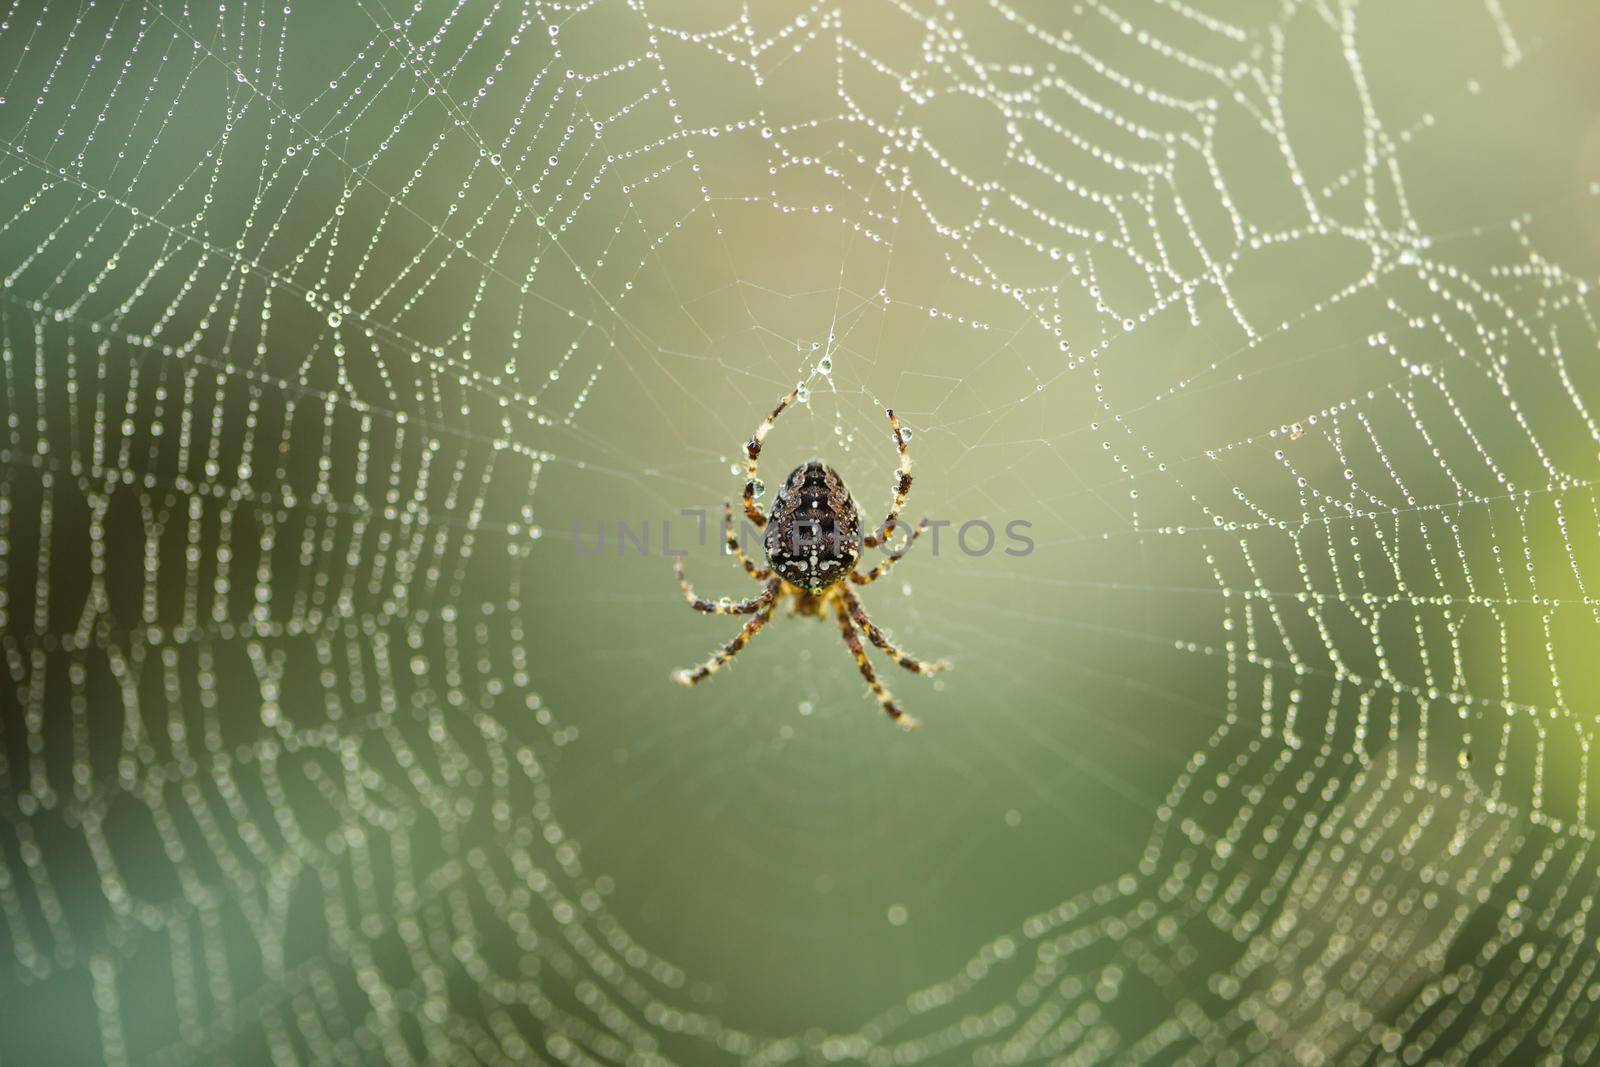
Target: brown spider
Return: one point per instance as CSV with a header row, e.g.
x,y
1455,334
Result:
x,y
812,543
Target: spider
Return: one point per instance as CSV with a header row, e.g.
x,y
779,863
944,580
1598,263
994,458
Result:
x,y
812,542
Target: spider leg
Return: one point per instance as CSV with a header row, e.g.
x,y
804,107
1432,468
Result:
x,y
902,486
895,711
760,574
883,568
727,651
753,451
724,607
859,614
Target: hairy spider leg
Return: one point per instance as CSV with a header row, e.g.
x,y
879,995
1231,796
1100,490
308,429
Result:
x,y
760,574
859,614
716,607
883,568
851,638
753,452
727,651
902,486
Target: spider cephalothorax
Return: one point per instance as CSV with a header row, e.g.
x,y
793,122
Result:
x,y
813,536
813,542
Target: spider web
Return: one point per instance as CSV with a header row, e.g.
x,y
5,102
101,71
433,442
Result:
x,y
323,326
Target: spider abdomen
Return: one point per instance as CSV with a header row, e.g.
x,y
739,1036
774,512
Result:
x,y
813,537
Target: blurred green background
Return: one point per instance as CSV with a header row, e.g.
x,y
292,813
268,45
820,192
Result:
x,y
334,334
